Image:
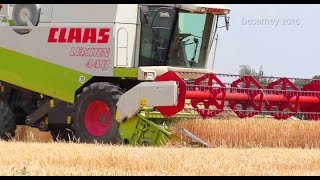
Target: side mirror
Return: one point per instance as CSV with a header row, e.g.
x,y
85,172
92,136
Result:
x,y
227,22
144,14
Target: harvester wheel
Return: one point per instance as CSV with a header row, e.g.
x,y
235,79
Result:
x,y
62,135
94,114
22,11
7,122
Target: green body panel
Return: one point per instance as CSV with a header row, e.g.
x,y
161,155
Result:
x,y
158,115
150,127
126,72
39,76
141,131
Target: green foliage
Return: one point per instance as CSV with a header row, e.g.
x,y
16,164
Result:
x,y
300,83
247,70
316,77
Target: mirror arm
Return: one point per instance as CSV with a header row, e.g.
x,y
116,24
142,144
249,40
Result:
x,y
226,19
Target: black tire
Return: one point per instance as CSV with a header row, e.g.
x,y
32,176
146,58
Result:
x,y
62,135
22,104
7,122
103,92
34,15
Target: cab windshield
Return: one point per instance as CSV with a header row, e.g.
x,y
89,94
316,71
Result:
x,y
170,37
192,40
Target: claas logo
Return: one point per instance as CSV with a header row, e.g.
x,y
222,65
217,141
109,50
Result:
x,y
79,35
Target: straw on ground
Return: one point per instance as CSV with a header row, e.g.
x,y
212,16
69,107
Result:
x,y
20,158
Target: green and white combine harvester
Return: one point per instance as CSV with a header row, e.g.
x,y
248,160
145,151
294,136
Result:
x,y
126,73
104,73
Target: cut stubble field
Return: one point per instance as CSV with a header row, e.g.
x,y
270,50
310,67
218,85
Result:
x,y
18,158
242,147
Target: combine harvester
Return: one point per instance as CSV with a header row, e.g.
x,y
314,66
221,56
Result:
x,y
124,73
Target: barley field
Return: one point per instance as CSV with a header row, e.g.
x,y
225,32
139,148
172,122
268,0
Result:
x,y
229,133
242,147
255,132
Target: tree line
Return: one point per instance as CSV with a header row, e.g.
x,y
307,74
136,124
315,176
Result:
x,y
247,70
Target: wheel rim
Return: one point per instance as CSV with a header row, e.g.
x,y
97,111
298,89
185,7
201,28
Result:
x,y
98,118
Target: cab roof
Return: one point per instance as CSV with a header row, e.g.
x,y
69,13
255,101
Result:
x,y
205,8
217,9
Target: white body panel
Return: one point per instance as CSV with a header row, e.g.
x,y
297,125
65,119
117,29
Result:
x,y
124,18
121,19
36,44
152,94
93,13
127,13
125,35
125,39
46,13
159,70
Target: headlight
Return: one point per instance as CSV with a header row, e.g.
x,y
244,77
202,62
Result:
x,y
203,9
149,75
226,11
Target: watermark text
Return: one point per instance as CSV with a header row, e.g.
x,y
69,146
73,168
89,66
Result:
x,y
273,22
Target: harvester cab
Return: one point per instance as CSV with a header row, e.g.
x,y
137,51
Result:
x,y
178,37
127,72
